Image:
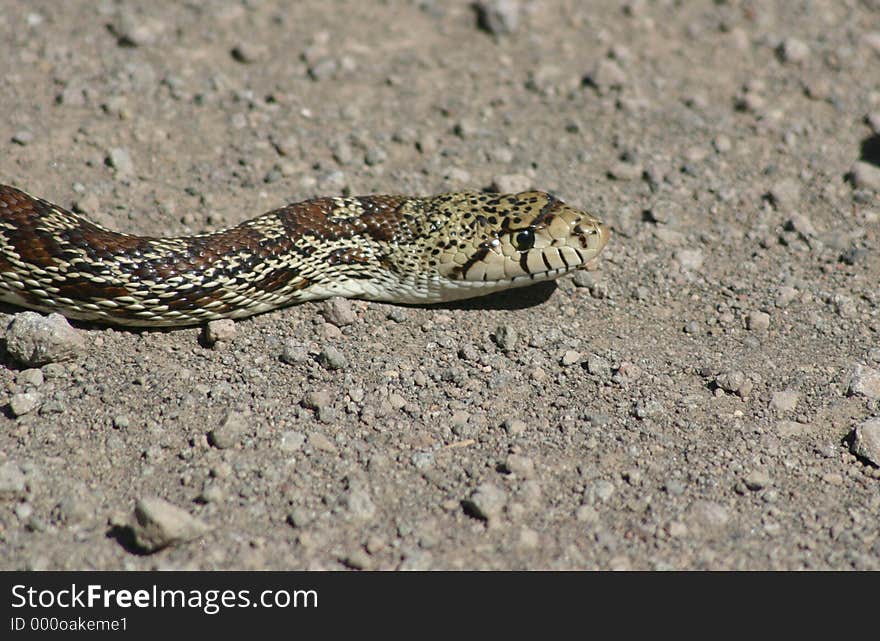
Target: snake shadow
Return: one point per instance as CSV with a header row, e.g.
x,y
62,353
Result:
x,y
508,299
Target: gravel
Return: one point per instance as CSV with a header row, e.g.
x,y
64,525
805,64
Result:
x,y
741,185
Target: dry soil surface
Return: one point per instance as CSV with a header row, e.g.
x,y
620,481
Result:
x,y
688,403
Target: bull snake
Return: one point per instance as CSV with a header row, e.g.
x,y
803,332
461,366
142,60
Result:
x,y
398,249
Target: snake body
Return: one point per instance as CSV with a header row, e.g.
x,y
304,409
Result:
x,y
399,249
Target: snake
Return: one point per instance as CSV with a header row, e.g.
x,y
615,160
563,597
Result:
x,y
389,248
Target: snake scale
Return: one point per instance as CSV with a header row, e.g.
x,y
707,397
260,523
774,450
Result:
x,y
399,249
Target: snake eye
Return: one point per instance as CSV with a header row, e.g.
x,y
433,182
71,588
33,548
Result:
x,y
524,240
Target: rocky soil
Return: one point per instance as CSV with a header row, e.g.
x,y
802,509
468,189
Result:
x,y
707,397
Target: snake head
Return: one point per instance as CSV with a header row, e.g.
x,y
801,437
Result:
x,y
514,240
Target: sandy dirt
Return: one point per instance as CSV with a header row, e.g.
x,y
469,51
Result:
x,y
688,404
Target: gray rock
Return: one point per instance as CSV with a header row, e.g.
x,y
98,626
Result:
x,y
486,503
520,465
159,524
570,357
34,340
338,311
598,366
793,50
230,431
295,353
734,382
864,381
221,330
866,441
757,480
331,358
249,52
23,137
24,403
758,321
300,517
691,260
785,194
606,75
30,378
121,161
784,401
360,505
598,491
317,399
498,17
506,337
514,426
12,481
864,175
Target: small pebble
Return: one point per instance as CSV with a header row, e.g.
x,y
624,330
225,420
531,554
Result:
x,y
120,160
212,493
338,311
248,52
600,490
317,399
785,296
360,505
159,524
506,337
864,175
757,480
864,381
221,330
866,441
34,340
22,138
784,401
785,194
758,321
514,426
793,50
30,377
690,259
230,431
498,17
397,314
487,502
520,465
295,353
570,357
604,76
24,403
331,358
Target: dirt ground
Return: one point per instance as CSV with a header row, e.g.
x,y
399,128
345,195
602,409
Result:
x,y
687,404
